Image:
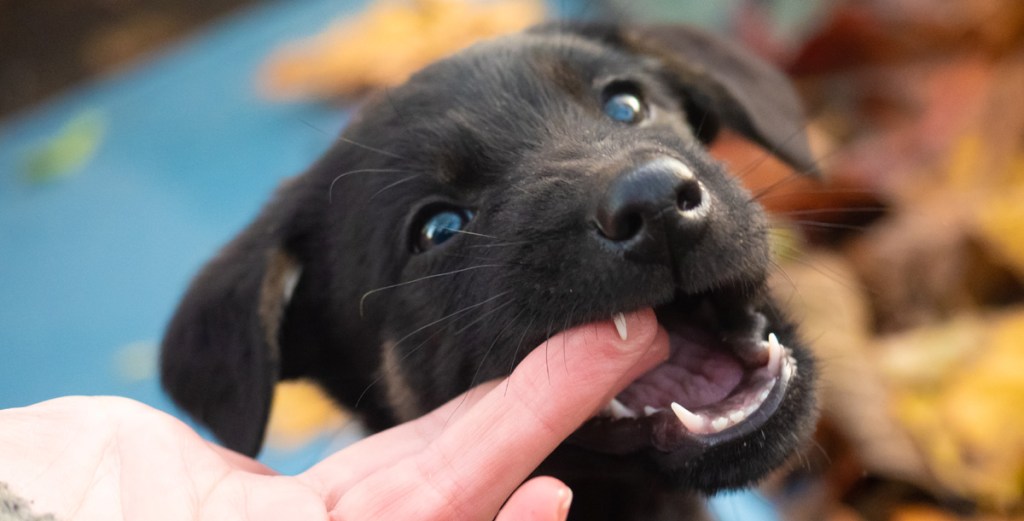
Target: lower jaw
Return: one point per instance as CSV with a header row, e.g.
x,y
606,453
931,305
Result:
x,y
663,430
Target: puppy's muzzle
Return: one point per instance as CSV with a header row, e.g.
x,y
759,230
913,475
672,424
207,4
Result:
x,y
643,207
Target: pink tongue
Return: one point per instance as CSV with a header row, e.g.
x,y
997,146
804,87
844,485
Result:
x,y
694,376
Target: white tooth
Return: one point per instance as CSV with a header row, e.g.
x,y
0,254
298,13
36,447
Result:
x,y
787,371
648,410
620,325
719,424
774,354
765,393
692,422
619,410
737,416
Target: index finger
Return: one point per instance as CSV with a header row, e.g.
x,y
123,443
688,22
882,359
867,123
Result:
x,y
469,470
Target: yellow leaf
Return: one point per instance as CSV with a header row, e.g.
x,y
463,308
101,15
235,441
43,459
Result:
x,y
299,413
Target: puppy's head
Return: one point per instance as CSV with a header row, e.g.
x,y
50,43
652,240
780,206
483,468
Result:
x,y
524,186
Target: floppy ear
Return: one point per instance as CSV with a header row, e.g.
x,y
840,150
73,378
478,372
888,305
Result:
x,y
220,356
727,81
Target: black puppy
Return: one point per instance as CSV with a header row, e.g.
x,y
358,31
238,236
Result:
x,y
521,187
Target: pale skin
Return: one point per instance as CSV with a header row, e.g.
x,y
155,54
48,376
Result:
x,y
105,458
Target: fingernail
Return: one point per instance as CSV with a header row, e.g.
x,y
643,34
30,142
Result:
x,y
563,506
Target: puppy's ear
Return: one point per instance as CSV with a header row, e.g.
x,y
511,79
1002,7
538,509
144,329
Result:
x,y
722,79
220,356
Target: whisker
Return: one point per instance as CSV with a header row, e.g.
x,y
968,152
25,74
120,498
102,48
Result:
x,y
837,210
515,355
772,151
330,189
427,277
451,315
831,226
787,179
421,344
824,191
499,244
547,336
568,320
475,234
380,375
703,121
753,165
312,126
391,102
479,367
794,175
392,185
481,317
371,149
840,278
482,259
828,459
782,271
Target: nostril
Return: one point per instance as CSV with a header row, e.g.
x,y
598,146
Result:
x,y
621,227
689,196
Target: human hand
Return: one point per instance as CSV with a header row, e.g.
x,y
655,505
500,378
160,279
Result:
x,y
113,458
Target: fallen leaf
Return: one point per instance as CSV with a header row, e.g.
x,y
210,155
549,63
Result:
x,y
388,42
299,413
68,151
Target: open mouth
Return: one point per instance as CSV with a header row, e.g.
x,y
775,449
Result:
x,y
726,374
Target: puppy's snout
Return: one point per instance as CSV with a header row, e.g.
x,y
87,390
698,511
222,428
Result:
x,y
663,193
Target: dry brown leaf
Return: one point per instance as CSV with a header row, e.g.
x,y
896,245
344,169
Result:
x,y
922,513
387,43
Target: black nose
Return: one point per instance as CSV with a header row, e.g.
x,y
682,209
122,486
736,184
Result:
x,y
661,193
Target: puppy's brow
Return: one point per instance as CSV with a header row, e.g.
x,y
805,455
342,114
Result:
x,y
559,71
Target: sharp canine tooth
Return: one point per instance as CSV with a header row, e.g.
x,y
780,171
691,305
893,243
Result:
x,y
619,410
620,325
692,422
648,410
719,424
774,354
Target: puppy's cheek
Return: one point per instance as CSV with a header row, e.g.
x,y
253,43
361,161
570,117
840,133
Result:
x,y
404,401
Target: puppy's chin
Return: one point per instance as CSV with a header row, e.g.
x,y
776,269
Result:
x,y
730,404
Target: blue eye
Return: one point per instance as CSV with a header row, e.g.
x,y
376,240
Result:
x,y
440,227
624,107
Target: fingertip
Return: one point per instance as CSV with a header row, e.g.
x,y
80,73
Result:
x,y
542,498
565,496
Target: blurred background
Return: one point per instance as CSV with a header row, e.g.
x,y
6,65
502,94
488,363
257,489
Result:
x,y
137,136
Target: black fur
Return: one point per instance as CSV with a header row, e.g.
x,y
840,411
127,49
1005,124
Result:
x,y
513,131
